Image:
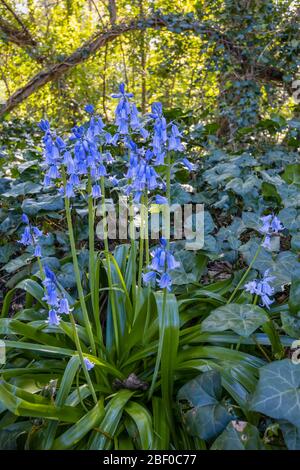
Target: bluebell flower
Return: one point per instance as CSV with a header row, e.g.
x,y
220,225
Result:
x,y
271,225
126,114
159,133
267,242
51,296
38,251
149,277
25,219
276,225
64,306
89,108
262,288
161,199
69,192
88,364
74,179
96,191
114,180
175,139
53,318
190,166
26,238
31,236
165,281
122,93
60,143
37,232
44,125
266,223
49,273
53,172
58,303
50,287
162,263
47,181
96,127
111,139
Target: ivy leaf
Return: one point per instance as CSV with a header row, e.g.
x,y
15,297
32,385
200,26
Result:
x,y
242,319
199,403
292,174
263,261
278,391
289,218
22,189
191,267
291,435
290,324
282,266
17,263
239,435
32,207
294,300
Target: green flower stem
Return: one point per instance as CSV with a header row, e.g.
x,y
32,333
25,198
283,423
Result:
x,y
245,274
132,250
92,268
109,276
146,232
168,195
79,350
91,241
147,256
141,254
42,272
77,273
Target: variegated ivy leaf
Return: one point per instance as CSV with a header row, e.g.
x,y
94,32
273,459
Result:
x,y
278,391
242,319
200,406
239,435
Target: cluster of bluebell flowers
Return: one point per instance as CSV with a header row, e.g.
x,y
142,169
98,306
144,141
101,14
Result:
x,y
85,156
126,115
141,175
162,263
57,303
271,226
86,152
31,236
79,157
262,288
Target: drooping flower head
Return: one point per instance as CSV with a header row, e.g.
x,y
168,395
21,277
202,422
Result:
x,y
56,301
79,157
31,236
262,288
271,225
163,261
126,114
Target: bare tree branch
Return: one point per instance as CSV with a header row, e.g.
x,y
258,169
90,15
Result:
x,y
101,39
20,37
112,8
14,14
